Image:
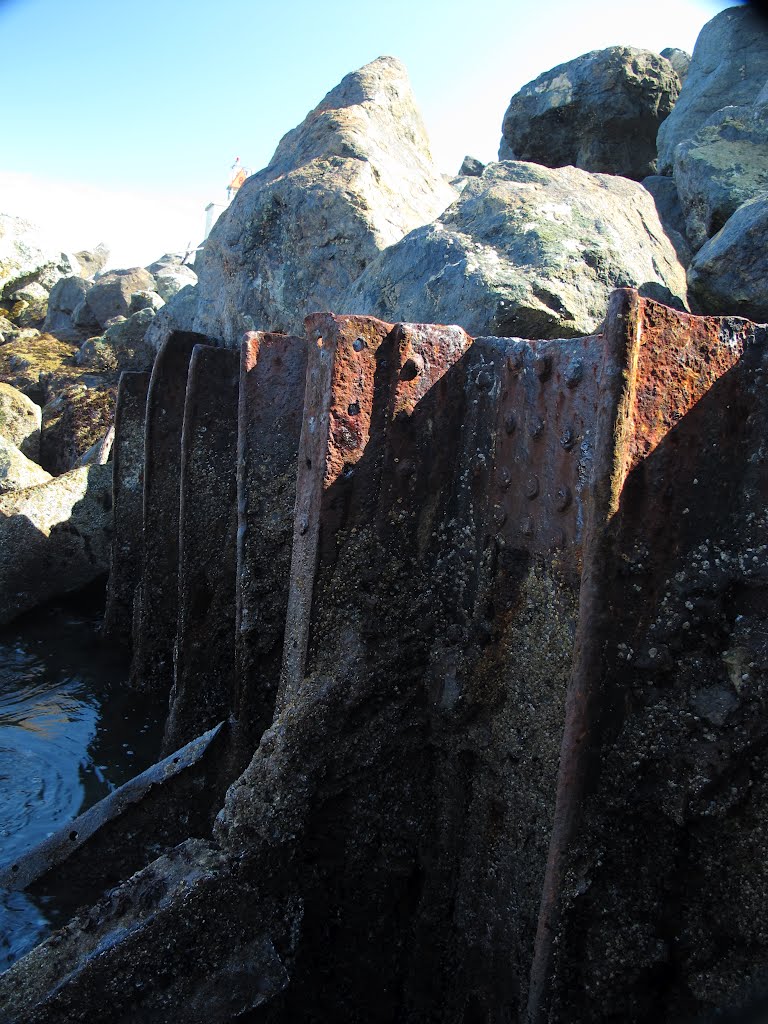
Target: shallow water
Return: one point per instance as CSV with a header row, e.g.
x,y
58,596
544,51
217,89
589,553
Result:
x,y
70,733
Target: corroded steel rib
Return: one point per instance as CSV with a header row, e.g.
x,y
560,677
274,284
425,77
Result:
x,y
156,607
203,689
127,503
272,382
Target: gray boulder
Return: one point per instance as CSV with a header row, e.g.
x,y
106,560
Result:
x,y
126,340
600,112
29,304
722,166
54,538
728,275
145,300
178,314
24,253
20,421
679,59
526,251
65,297
92,261
110,296
170,280
17,471
96,354
352,179
471,167
729,67
169,261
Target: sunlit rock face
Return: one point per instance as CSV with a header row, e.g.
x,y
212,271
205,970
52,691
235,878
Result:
x,y
349,181
526,251
600,112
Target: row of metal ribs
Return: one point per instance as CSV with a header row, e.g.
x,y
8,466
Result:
x,y
484,620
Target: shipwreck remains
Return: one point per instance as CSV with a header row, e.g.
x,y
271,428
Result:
x,y
484,622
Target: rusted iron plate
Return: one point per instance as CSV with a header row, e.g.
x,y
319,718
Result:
x,y
156,605
677,477
273,369
203,688
127,501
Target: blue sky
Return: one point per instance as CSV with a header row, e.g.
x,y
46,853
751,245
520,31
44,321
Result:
x,y
121,120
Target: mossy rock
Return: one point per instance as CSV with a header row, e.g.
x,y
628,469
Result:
x,y
73,421
40,365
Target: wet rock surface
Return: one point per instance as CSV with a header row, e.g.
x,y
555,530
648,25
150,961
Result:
x,y
522,634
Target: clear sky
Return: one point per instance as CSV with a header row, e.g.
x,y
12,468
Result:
x,y
121,118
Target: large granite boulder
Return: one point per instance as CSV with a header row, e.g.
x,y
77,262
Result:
x,y
54,538
352,179
679,59
527,251
600,112
17,471
29,304
125,338
728,275
66,295
110,295
170,280
20,421
178,314
722,166
729,67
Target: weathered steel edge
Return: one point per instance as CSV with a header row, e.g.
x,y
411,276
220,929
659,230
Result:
x,y
59,846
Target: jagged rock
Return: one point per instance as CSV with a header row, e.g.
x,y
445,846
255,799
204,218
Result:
x,y
145,300
17,471
65,297
527,251
83,319
600,112
54,538
111,295
6,327
729,67
20,421
29,304
92,261
670,211
353,178
679,59
170,261
728,274
126,339
178,314
96,354
72,422
471,167
722,166
170,280
24,253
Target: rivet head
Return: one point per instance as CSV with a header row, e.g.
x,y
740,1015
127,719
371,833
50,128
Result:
x,y
484,380
510,423
499,516
505,478
574,373
359,344
536,428
568,439
353,408
558,538
563,498
532,487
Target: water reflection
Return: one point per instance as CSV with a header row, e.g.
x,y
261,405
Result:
x,y
69,734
